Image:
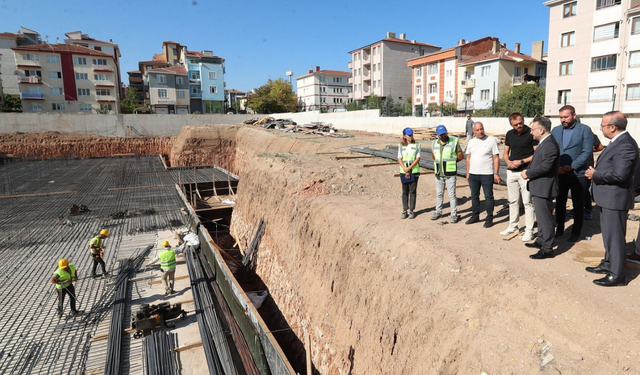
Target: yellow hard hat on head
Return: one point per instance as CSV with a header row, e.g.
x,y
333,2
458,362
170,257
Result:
x,y
63,263
165,244
104,232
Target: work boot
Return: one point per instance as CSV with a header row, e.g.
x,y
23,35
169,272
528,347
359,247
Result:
x,y
93,275
59,315
411,215
404,215
105,274
76,313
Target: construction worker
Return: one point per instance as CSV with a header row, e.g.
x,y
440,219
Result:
x,y
64,277
97,252
167,259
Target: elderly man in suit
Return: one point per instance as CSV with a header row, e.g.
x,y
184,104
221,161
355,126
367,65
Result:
x,y
576,149
542,177
613,192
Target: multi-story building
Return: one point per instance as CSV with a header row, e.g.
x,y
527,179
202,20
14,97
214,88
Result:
x,y
434,77
8,77
69,78
168,90
323,89
136,82
231,99
381,68
484,77
206,78
594,56
77,38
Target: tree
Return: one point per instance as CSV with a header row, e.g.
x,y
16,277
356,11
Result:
x,y
373,102
354,106
273,97
130,101
526,99
11,104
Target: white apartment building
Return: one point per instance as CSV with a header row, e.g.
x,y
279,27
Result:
x,y
593,56
323,89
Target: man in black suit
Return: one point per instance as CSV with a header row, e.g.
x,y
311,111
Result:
x,y
613,192
542,177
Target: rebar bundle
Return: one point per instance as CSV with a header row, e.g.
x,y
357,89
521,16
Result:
x,y
159,354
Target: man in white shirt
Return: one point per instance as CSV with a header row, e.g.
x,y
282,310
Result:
x,y
483,164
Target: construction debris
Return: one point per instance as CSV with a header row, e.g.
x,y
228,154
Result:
x,y
129,214
78,210
287,125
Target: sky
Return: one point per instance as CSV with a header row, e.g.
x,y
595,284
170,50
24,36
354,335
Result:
x,y
262,40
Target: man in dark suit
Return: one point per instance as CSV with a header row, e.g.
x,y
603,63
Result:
x,y
613,193
576,149
542,177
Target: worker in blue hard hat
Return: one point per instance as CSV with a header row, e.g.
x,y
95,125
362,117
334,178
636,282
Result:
x,y
446,153
408,158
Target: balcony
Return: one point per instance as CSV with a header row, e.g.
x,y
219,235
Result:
x,y
31,96
103,84
102,68
194,80
366,59
468,83
29,64
465,104
349,65
30,79
350,80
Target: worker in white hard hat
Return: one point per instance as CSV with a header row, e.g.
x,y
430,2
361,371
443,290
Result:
x,y
97,252
64,277
167,259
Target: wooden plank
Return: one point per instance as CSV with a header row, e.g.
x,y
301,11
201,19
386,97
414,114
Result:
x,y
238,242
38,195
214,208
99,337
594,261
187,347
97,371
138,187
177,278
308,350
378,164
355,157
511,236
329,153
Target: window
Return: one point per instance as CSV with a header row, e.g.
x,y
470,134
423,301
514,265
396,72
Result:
x,y
85,107
35,106
195,89
635,26
57,106
433,68
103,92
105,107
162,79
30,73
53,59
566,68
417,72
99,61
55,90
84,92
97,48
179,81
569,10
418,90
603,63
31,57
80,61
162,93
213,75
485,72
517,71
433,88
35,90
214,89
81,76
375,84
606,3
175,51
55,75
449,72
608,31
564,96
192,61
568,39
634,59
484,94
101,77
633,92
181,94
601,94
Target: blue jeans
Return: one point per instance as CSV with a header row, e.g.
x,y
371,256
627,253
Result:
x,y
475,182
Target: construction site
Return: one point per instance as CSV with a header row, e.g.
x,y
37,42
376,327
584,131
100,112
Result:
x,y
295,261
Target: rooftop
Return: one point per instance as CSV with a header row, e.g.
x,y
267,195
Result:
x,y
62,48
503,54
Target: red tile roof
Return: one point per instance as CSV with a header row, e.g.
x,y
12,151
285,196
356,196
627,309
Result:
x,y
174,70
195,53
398,40
503,54
10,35
234,91
170,42
58,48
134,71
153,62
334,72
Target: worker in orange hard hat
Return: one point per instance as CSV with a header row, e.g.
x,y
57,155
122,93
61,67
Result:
x,y
97,252
64,277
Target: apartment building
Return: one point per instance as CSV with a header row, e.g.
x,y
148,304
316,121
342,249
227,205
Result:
x,y
9,80
168,90
206,80
594,56
323,89
231,99
485,76
66,78
136,82
381,69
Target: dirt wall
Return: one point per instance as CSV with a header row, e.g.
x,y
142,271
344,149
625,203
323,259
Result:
x,y
205,145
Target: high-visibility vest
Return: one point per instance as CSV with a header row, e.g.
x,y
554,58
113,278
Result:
x,y
448,160
409,155
97,243
168,260
64,275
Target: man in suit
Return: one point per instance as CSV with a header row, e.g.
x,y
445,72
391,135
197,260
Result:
x,y
613,193
576,149
542,177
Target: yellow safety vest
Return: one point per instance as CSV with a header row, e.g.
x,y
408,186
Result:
x,y
168,260
95,242
409,155
64,275
449,157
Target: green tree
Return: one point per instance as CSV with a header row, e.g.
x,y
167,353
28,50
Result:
x,y
11,104
526,99
354,106
130,101
274,97
432,108
373,102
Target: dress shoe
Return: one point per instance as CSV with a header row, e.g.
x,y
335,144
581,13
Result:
x,y
610,281
472,220
633,258
488,223
534,245
573,238
542,255
599,269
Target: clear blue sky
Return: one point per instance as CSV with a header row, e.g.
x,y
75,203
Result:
x,y
264,39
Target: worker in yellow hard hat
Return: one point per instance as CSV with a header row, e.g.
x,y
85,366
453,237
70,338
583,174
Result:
x,y
64,277
97,252
167,259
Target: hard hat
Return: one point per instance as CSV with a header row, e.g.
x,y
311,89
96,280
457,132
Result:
x,y
407,131
105,232
165,244
63,263
441,129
